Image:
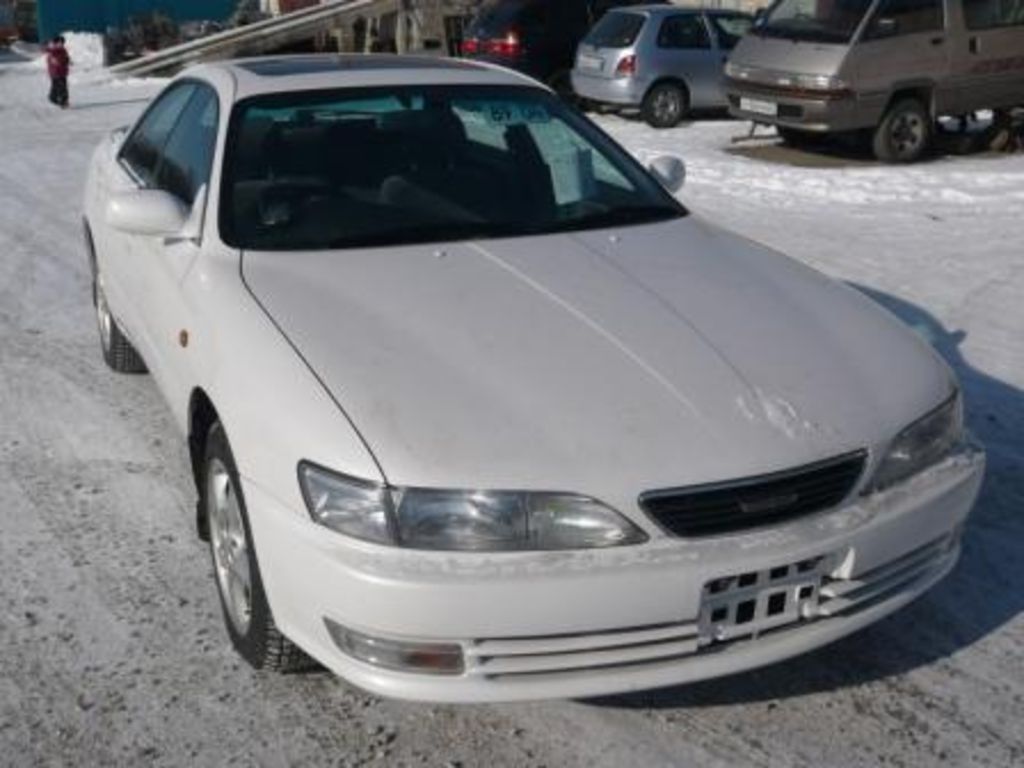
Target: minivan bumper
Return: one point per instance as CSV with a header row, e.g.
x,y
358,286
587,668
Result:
x,y
580,624
805,110
620,91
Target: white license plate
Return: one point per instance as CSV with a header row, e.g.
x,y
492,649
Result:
x,y
592,63
759,107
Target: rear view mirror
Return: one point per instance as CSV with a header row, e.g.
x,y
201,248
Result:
x,y
669,170
885,26
150,212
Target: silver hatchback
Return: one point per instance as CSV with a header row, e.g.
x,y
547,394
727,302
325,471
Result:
x,y
662,59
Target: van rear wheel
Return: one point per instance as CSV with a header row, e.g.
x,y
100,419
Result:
x,y
904,134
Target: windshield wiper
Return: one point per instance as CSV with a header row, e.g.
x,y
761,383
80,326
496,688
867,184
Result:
x,y
637,214
426,233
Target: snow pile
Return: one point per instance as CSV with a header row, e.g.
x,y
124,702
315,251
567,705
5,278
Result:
x,y
85,49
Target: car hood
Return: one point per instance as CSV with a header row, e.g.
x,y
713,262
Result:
x,y
774,55
604,362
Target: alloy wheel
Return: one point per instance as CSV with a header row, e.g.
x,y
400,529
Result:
x,y
908,133
104,319
667,106
230,546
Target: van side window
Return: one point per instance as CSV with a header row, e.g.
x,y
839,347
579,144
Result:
x,y
988,14
683,31
905,17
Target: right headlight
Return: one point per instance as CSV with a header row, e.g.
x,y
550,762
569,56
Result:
x,y
925,442
462,520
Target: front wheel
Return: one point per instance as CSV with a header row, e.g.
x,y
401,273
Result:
x,y
904,134
118,352
665,105
250,623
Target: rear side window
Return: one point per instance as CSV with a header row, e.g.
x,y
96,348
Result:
x,y
186,159
683,32
905,17
989,14
141,152
730,29
616,30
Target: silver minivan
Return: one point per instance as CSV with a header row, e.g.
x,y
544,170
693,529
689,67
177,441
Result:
x,y
888,67
662,59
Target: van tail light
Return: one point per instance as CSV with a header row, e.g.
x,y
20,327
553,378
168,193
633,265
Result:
x,y
509,46
626,66
470,45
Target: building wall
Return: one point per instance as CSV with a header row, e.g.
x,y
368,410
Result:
x,y
56,16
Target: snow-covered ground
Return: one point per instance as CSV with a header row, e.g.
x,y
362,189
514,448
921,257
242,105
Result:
x,y
113,647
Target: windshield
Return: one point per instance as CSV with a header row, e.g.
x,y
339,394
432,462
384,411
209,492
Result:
x,y
361,167
820,21
616,30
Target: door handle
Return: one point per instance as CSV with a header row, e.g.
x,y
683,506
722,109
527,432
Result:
x,y
974,45
937,40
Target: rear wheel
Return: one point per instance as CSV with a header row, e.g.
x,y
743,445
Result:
x,y
665,105
250,623
904,134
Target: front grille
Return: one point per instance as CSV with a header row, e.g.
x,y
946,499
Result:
x,y
752,502
791,111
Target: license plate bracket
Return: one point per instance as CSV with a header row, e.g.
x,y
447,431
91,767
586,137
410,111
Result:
x,y
748,604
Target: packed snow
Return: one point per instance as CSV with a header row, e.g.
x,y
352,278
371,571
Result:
x,y
114,649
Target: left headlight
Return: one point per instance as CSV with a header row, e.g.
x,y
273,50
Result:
x,y
821,83
925,442
458,520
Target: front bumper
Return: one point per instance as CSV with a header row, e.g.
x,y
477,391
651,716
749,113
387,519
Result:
x,y
621,91
804,110
579,624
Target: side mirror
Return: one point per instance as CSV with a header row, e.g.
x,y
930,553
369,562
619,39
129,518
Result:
x,y
150,212
669,170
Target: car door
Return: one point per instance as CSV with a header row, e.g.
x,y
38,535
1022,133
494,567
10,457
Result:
x,y
122,272
183,170
906,44
728,29
989,57
683,50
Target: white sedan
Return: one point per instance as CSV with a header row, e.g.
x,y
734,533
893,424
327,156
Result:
x,y
478,411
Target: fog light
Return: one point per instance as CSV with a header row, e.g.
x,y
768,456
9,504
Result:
x,y
424,658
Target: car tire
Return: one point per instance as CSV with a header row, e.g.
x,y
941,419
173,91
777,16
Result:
x,y
904,134
247,616
118,352
665,105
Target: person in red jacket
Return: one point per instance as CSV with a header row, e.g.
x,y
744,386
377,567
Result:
x,y
58,64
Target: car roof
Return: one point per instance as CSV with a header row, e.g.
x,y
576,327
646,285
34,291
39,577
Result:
x,y
276,74
667,8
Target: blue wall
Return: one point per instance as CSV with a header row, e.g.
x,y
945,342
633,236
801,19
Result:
x,y
56,16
